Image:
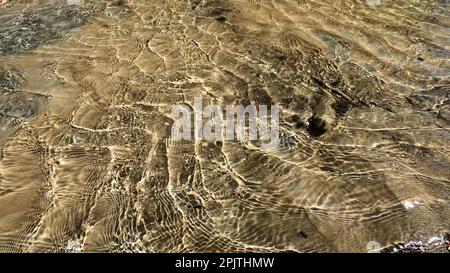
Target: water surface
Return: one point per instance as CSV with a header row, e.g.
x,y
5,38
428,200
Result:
x,y
86,92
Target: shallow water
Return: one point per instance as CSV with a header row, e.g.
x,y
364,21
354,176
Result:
x,y
86,159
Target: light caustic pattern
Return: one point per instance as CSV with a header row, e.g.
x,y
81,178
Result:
x,y
87,88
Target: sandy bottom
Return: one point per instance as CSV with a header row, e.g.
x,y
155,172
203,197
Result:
x,y
87,162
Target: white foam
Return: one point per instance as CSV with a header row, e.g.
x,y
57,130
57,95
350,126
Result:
x,y
410,203
73,2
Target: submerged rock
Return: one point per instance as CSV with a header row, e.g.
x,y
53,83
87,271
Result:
x,y
17,107
444,114
8,82
431,98
25,30
317,127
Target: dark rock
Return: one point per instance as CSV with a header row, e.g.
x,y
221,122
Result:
x,y
423,102
439,91
221,19
317,127
341,107
444,115
417,151
429,99
17,107
22,31
302,234
8,82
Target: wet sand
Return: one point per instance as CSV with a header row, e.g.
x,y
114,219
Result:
x,y
87,162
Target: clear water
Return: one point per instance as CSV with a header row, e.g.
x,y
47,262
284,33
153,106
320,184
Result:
x,y
86,160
